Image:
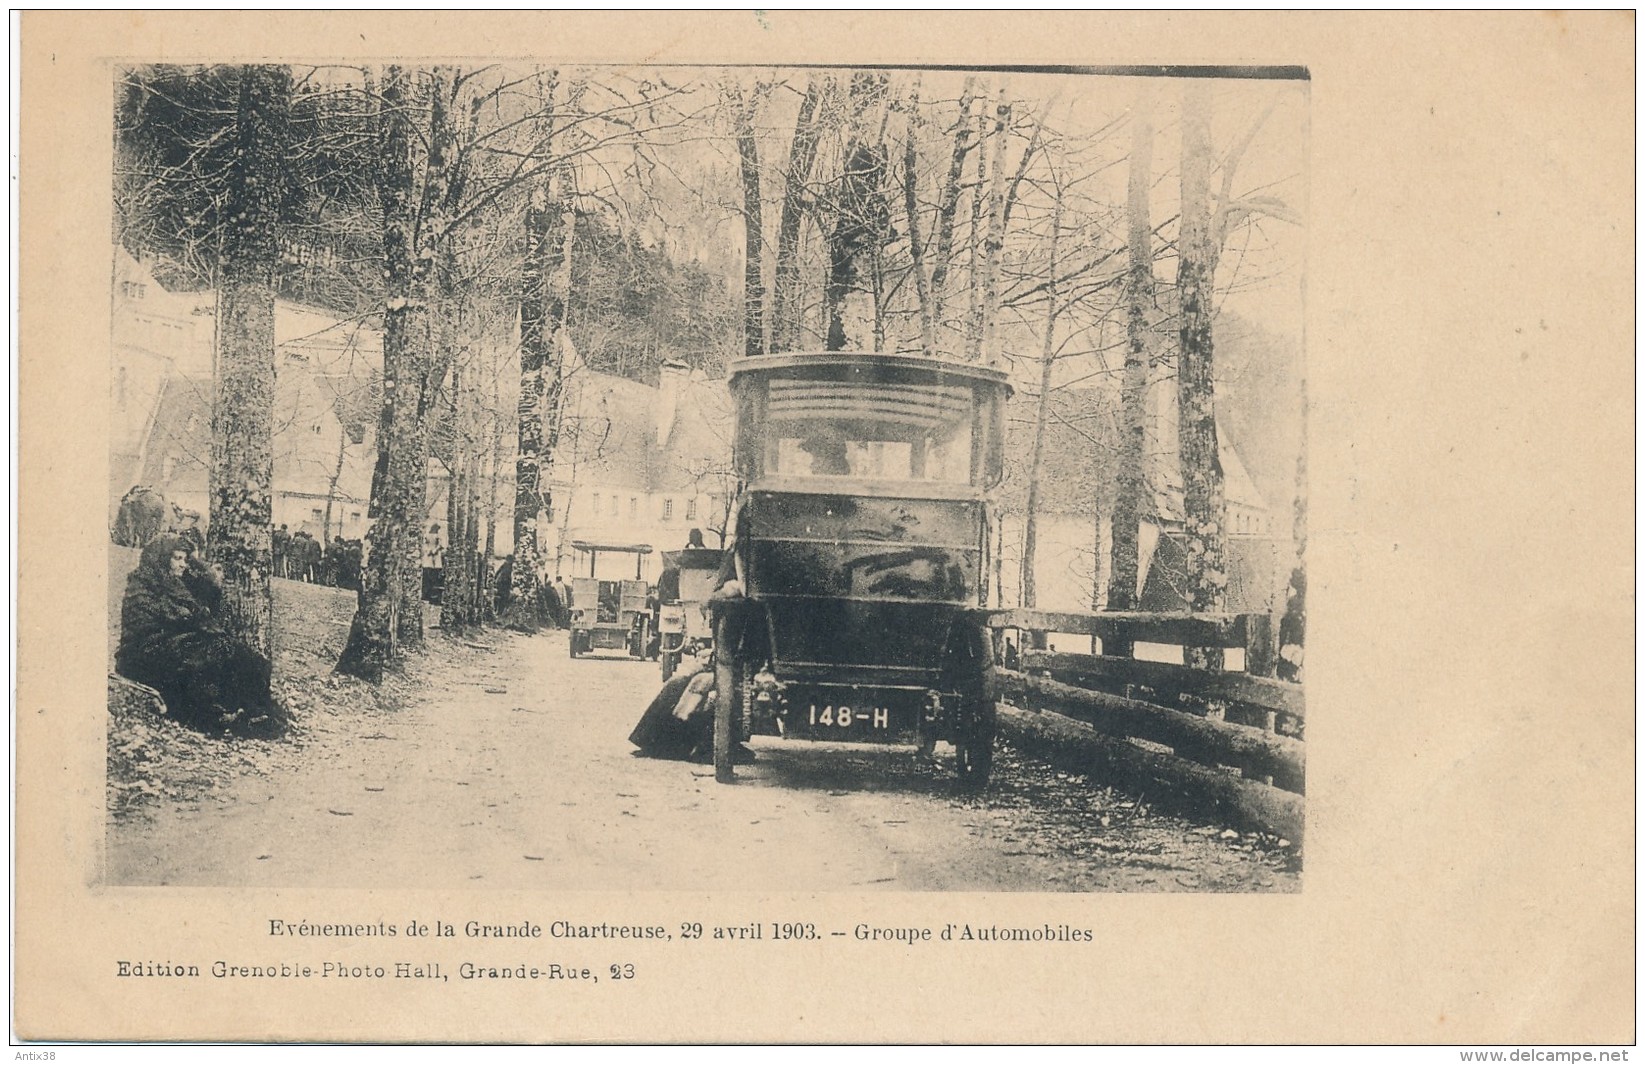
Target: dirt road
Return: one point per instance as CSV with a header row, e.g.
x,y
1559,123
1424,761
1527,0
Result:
x,y
511,769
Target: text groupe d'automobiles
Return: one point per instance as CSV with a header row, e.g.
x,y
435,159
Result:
x,y
425,970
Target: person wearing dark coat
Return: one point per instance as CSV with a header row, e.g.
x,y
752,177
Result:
x,y
311,559
281,546
348,575
679,722
297,556
553,609
505,584
305,557
176,644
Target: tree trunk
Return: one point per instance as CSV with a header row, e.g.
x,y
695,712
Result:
x,y
999,224
454,586
911,210
748,152
373,635
948,205
787,306
488,601
528,501
1294,621
242,467
542,316
1048,350
1139,296
860,225
331,484
430,235
979,201
474,565
559,308
981,332
1202,489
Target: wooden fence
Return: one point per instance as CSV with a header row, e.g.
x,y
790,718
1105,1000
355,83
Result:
x,y
1227,743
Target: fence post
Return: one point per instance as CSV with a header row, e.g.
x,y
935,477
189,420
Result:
x,y
1259,645
1260,657
1121,645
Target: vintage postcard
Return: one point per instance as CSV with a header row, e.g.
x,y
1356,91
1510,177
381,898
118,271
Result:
x,y
855,511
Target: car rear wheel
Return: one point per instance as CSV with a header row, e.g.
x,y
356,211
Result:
x,y
978,718
974,747
728,690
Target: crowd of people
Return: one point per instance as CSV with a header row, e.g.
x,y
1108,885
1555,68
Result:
x,y
300,557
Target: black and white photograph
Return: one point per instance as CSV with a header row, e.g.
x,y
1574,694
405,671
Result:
x,y
544,476
825,527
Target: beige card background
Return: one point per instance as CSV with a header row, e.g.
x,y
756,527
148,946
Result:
x,y
1470,865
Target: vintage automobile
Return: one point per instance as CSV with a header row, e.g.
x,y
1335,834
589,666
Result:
x,y
607,613
684,626
861,546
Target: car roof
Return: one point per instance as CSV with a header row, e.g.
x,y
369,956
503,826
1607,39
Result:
x,y
597,545
917,364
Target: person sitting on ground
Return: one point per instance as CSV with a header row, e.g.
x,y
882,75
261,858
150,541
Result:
x,y
175,644
679,722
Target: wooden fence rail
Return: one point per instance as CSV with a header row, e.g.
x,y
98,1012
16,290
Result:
x,y
1241,731
1258,754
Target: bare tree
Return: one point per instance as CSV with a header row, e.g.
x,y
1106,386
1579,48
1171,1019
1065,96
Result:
x,y
948,206
1139,296
911,211
538,324
1048,354
373,634
861,219
748,154
1204,505
1293,621
242,467
431,234
786,307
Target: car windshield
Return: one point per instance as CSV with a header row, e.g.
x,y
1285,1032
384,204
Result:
x,y
875,430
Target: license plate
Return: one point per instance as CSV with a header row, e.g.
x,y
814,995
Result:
x,y
847,718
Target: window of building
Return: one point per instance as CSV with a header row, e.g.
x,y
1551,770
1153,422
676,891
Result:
x,y
354,516
133,291
691,509
317,514
614,502
596,504
120,389
633,507
668,510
